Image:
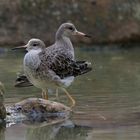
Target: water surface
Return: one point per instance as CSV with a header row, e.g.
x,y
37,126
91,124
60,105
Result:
x,y
107,98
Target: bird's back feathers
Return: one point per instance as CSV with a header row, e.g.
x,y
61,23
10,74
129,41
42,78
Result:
x,y
79,68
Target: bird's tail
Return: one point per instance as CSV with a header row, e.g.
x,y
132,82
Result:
x,y
82,67
22,81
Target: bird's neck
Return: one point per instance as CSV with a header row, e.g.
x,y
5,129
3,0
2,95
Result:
x,y
65,43
35,50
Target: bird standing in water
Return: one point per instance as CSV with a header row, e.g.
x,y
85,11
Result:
x,y
54,66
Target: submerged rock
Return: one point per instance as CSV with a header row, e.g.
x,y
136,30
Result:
x,y
37,110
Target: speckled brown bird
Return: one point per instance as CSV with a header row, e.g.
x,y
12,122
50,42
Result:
x,y
54,66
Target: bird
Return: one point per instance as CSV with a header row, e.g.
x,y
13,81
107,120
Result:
x,y
54,66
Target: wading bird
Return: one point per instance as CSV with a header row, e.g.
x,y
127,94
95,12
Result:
x,y
54,66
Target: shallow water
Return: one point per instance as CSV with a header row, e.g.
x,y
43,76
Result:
x,y
108,99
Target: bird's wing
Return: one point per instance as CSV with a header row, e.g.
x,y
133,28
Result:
x,y
58,61
61,63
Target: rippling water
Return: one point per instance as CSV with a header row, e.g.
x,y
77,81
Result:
x,y
107,99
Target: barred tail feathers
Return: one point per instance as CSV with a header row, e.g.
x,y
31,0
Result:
x,y
83,67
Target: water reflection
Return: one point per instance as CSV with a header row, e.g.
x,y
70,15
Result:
x,y
108,98
121,133
57,132
2,130
42,131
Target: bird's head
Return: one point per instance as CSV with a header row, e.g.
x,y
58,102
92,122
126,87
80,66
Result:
x,y
33,44
67,30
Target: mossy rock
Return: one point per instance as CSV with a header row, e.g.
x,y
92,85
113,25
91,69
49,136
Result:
x,y
2,112
2,107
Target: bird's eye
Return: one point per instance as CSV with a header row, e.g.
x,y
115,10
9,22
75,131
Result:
x,y
71,28
34,44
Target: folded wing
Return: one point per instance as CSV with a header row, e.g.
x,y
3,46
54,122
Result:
x,y
63,65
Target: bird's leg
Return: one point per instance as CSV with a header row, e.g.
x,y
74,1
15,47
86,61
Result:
x,y
42,94
46,95
70,97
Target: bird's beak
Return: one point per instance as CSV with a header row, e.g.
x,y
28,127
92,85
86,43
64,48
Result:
x,y
20,47
77,33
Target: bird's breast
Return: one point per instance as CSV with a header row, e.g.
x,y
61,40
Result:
x,y
32,60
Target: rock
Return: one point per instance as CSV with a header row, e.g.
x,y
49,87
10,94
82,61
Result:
x,y
38,110
2,107
42,105
106,20
2,112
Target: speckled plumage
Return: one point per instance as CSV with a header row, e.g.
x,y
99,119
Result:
x,y
48,65
54,66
